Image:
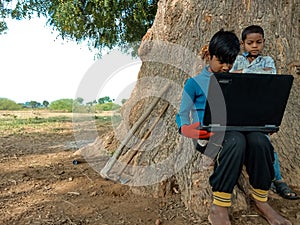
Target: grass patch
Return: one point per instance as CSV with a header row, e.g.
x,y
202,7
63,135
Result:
x,y
114,119
14,122
14,125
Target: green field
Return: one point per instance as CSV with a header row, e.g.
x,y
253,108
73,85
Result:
x,y
13,122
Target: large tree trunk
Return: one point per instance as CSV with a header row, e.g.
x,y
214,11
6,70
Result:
x,y
162,161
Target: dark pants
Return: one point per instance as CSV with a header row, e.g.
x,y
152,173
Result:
x,y
254,150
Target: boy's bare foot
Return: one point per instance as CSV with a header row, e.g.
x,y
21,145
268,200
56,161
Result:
x,y
218,215
270,214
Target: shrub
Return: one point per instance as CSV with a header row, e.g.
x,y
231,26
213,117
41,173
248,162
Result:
x,y
7,104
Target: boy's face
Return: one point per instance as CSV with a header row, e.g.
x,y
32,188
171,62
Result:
x,y
216,66
253,44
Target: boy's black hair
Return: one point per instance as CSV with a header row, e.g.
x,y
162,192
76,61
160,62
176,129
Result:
x,y
252,29
225,46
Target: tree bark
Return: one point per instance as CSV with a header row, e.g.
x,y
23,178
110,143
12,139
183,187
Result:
x,y
166,161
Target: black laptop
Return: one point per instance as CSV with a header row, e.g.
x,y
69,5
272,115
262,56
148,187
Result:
x,y
246,102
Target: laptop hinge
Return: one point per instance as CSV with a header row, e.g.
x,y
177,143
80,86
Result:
x,y
269,125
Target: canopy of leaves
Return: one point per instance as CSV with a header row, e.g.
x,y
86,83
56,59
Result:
x,y
104,100
108,106
45,103
62,104
102,23
7,104
35,104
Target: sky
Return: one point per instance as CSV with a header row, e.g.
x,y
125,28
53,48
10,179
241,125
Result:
x,y
37,65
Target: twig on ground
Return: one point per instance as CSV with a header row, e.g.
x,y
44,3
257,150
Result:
x,y
88,177
70,203
251,215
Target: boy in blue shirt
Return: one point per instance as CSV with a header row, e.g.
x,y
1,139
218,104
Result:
x,y
251,61
252,149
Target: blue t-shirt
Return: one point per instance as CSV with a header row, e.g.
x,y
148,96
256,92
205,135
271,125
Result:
x,y
256,66
193,99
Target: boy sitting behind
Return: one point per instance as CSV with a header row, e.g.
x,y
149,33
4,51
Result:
x,y
251,61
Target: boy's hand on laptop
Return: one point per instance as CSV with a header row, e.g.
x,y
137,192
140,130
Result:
x,y
193,131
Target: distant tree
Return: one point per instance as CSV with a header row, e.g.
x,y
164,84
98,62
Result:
x,y
104,24
79,100
104,100
90,103
108,106
34,104
46,104
7,104
62,105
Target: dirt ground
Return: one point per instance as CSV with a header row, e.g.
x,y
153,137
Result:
x,y
40,185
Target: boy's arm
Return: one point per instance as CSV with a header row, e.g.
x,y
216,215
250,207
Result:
x,y
238,63
270,65
183,116
267,65
236,71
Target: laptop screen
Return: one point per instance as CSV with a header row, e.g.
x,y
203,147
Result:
x,y
247,99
